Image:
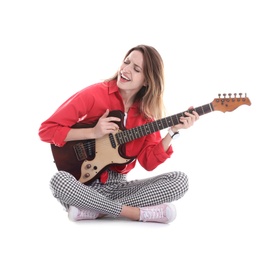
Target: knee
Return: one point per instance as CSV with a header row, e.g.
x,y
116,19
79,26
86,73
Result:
x,y
182,182
59,182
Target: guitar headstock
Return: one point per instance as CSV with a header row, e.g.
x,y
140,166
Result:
x,y
229,102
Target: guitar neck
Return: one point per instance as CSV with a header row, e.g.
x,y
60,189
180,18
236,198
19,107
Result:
x,y
155,126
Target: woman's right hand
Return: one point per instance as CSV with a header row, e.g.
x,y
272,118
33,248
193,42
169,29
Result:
x,y
105,125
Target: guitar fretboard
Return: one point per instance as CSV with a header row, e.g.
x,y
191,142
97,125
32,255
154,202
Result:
x,y
149,128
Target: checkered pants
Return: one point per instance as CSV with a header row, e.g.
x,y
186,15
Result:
x,y
108,198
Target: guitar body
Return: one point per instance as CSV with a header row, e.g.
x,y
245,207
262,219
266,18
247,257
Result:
x,y
87,159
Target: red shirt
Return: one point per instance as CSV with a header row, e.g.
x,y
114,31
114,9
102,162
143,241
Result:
x,y
87,106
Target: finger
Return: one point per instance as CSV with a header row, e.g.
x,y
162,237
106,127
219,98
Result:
x,y
189,120
185,120
188,114
112,126
192,112
112,118
105,114
196,114
115,127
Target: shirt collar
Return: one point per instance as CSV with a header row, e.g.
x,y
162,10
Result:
x,y
112,86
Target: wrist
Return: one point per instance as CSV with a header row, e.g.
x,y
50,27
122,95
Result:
x,y
174,129
173,134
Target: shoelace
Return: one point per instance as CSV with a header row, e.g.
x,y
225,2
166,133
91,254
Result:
x,y
87,214
153,213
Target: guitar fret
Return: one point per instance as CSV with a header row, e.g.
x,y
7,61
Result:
x,y
157,124
147,129
128,136
118,137
175,119
133,133
200,111
207,109
169,120
124,137
141,131
165,123
152,127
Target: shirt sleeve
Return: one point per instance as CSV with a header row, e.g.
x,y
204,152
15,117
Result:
x,y
55,129
153,153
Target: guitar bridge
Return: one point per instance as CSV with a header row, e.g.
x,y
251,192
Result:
x,y
80,151
84,150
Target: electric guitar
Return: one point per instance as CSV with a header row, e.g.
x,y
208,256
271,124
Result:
x,y
87,159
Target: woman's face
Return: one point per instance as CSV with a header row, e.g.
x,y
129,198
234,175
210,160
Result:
x,y
130,75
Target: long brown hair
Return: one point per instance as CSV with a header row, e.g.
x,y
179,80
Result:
x,y
150,97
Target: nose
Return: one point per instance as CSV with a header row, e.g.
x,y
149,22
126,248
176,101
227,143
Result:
x,y
126,67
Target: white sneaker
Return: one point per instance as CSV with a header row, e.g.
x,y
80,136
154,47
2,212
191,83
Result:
x,y
76,214
164,213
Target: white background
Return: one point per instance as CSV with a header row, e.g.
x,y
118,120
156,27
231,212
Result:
x,y
51,49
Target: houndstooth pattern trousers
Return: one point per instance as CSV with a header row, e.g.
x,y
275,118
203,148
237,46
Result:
x,y
109,197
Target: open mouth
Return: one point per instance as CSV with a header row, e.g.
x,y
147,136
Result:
x,y
124,77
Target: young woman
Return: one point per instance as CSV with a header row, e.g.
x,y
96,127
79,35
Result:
x,y
137,90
